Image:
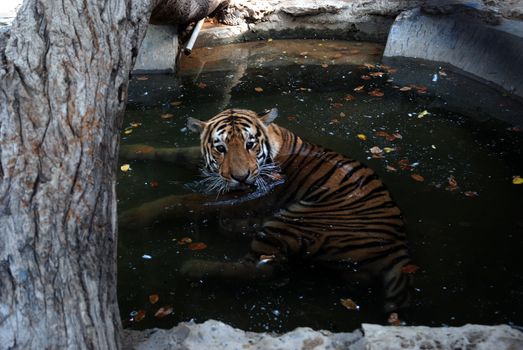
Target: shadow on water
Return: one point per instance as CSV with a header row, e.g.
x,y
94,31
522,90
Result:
x,y
465,234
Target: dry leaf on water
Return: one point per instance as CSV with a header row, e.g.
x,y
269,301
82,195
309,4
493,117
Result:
x,y
197,246
452,184
349,97
185,240
362,137
359,88
406,88
139,315
153,298
517,180
349,304
394,319
176,103
164,311
409,268
417,177
142,77
258,89
376,93
365,77
125,167
167,116
391,168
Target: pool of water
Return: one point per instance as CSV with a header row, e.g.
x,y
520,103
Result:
x,y
450,167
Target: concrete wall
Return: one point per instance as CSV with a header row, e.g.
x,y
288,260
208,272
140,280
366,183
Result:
x,y
487,47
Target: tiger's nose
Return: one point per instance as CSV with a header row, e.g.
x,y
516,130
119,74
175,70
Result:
x,y
241,178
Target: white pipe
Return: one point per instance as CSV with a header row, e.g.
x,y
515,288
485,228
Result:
x,y
194,35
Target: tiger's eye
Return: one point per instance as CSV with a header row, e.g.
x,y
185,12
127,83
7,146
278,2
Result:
x,y
220,148
249,144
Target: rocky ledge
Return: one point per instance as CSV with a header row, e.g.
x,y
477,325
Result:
x,y
220,336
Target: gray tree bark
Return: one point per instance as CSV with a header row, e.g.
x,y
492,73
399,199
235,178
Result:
x,y
64,71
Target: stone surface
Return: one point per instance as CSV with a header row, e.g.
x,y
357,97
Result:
x,y
158,51
216,335
219,336
466,337
476,42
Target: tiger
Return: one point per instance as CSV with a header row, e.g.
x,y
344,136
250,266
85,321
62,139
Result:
x,y
325,209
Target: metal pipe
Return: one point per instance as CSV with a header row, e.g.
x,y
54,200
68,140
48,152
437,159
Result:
x,y
188,48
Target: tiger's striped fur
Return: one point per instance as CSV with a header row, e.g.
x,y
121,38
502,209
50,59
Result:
x,y
330,210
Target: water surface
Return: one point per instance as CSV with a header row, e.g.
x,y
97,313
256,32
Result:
x,y
465,234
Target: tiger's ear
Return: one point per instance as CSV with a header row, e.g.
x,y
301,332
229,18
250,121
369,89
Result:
x,y
195,125
269,117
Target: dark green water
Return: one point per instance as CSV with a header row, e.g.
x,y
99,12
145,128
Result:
x,y
468,248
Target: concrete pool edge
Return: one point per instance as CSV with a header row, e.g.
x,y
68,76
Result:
x,y
217,335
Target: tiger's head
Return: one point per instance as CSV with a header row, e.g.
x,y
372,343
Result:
x,y
237,149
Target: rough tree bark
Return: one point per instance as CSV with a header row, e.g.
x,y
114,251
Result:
x,y
64,72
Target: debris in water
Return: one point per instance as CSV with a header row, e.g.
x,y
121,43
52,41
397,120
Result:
x,y
197,246
362,137
153,298
423,114
125,168
394,319
146,257
258,89
517,180
417,177
349,304
164,311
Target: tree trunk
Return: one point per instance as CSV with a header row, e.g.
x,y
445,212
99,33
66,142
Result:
x,y
63,88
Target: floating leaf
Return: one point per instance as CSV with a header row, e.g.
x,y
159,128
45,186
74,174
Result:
x,y
153,298
359,88
452,183
517,180
128,131
142,77
258,89
406,88
397,135
153,184
471,194
376,150
304,53
417,177
376,93
349,97
176,103
388,149
423,114
349,304
394,319
164,311
365,77
442,73
409,268
325,65
377,74
391,168
167,116
334,121
202,85
125,167
269,40
362,137
197,246
184,240
139,315
404,164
